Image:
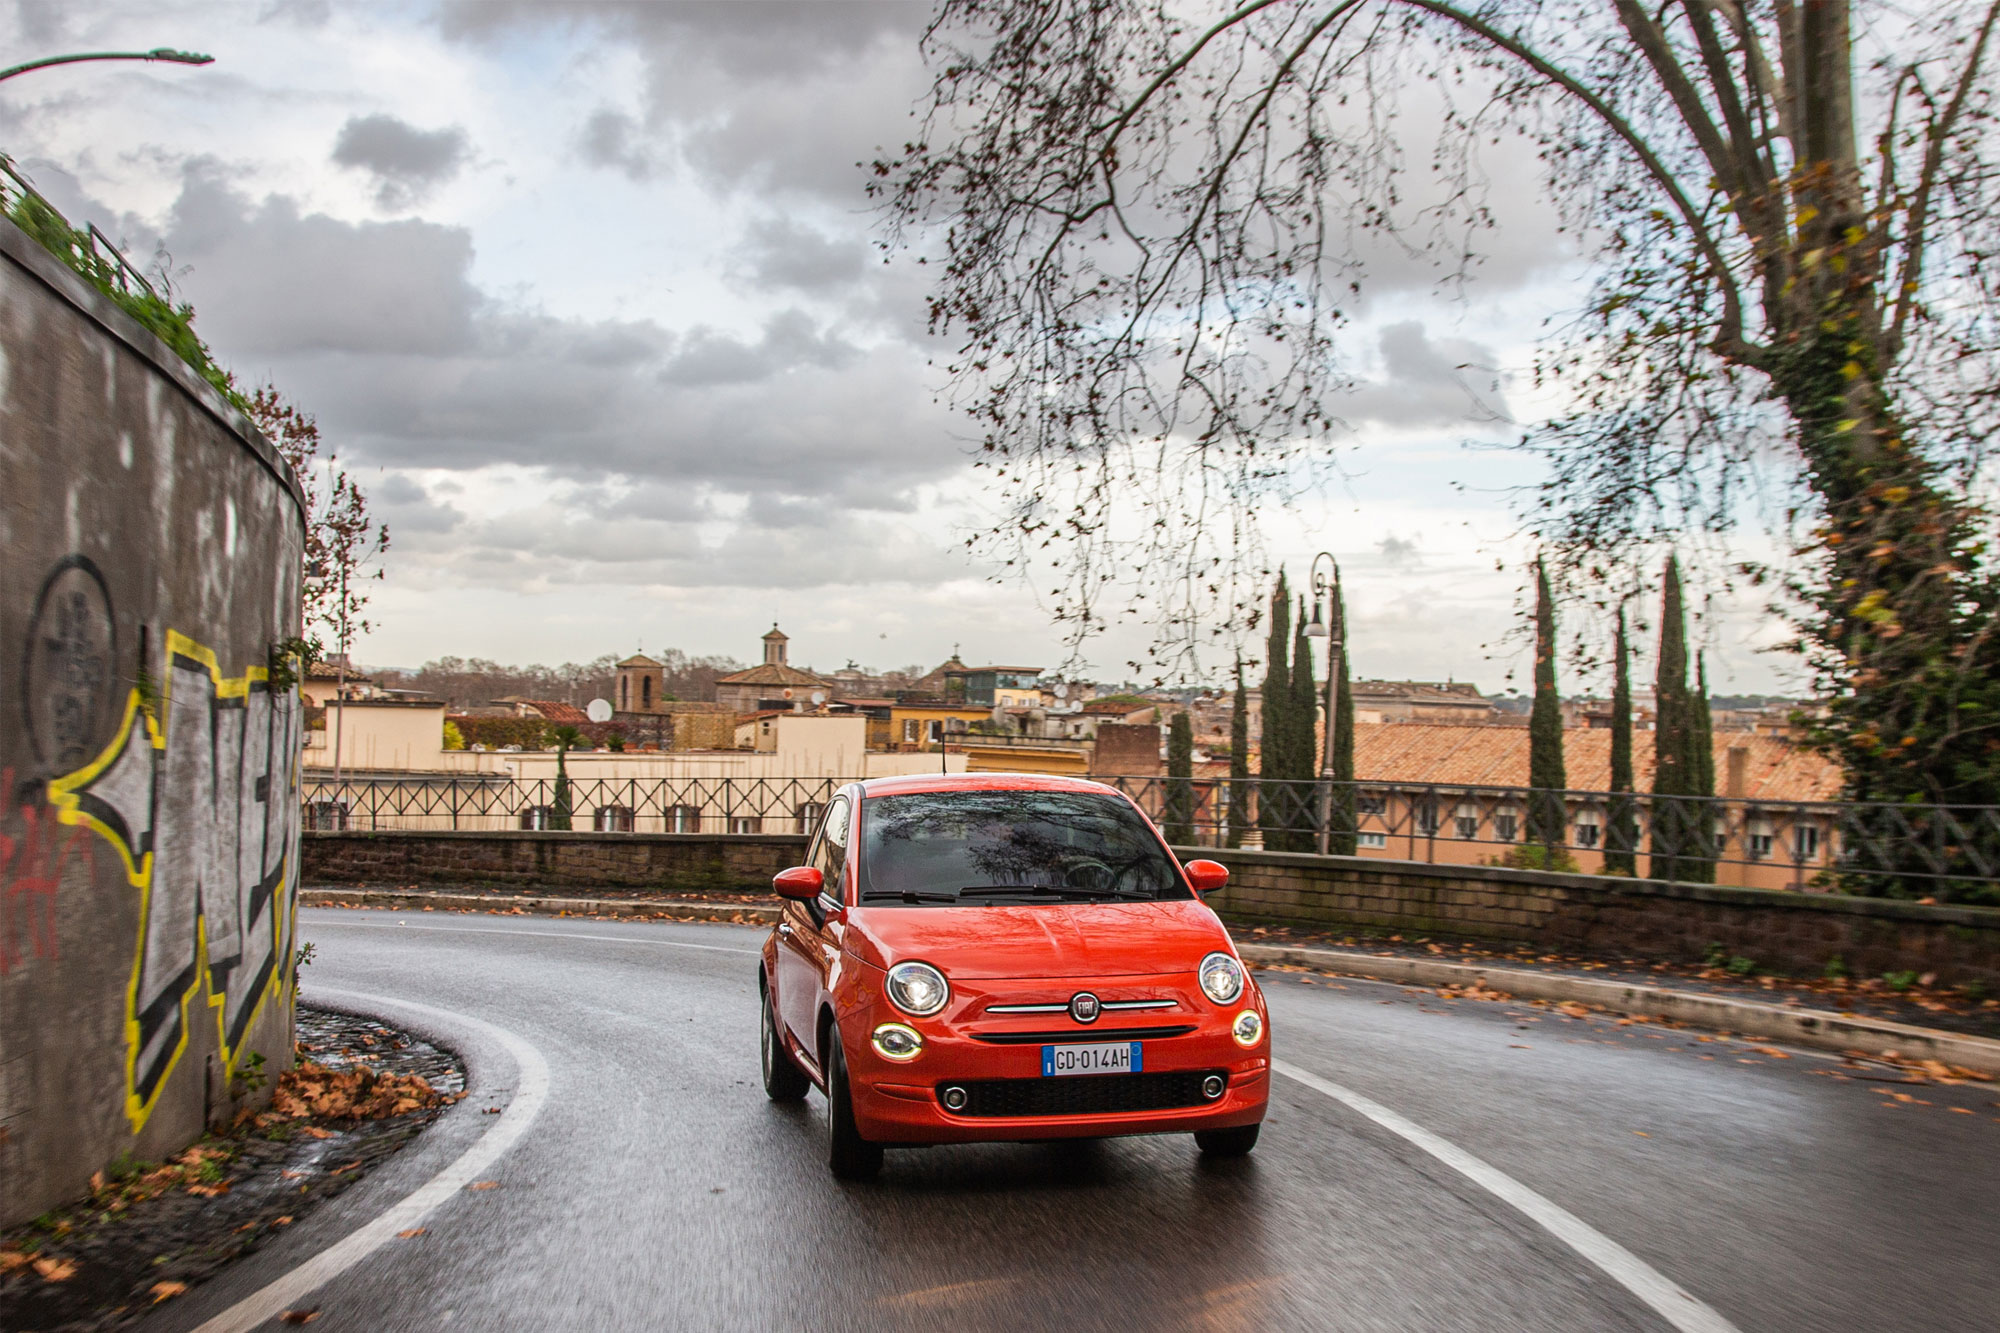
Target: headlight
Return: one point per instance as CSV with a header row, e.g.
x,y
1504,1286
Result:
x,y
918,988
1248,1029
893,1041
1221,977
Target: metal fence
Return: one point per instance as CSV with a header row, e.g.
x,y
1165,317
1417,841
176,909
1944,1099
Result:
x,y
89,251
1953,851
635,805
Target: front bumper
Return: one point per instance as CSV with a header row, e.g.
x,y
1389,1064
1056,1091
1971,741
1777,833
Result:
x,y
901,1102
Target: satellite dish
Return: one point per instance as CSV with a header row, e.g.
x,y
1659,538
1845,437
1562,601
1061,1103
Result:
x,y
1062,689
819,697
598,710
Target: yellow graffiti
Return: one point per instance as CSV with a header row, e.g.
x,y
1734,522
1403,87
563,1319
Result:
x,y
121,796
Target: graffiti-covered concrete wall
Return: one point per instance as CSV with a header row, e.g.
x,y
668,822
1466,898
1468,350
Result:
x,y
149,564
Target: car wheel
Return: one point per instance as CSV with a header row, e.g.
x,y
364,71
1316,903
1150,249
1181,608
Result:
x,y
1227,1142
850,1156
783,1080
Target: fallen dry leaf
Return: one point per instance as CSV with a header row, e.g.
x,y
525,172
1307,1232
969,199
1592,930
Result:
x,y
284,1221
412,1232
165,1291
12,1261
56,1270
299,1316
484,1185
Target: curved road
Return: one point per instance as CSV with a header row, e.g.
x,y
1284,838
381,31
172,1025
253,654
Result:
x,y
655,1187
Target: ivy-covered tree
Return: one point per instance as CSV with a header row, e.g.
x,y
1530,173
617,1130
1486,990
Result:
x,y
562,738
1177,812
1274,751
1302,758
1151,223
1239,760
1341,833
1621,831
1675,818
1548,776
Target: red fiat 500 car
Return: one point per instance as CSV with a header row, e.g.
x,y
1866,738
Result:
x,y
970,958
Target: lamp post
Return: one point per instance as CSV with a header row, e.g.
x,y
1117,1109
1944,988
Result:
x,y
163,54
1326,592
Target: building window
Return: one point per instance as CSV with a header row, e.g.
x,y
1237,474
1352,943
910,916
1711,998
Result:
x,y
1372,803
537,816
1371,840
327,815
684,819
745,824
646,693
936,730
1760,846
612,819
810,812
1506,827
912,730
1426,813
1586,835
1468,828
1805,841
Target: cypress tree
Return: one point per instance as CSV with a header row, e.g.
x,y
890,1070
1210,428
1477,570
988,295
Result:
x,y
1275,738
1342,841
1546,774
1621,835
1179,806
1672,782
1304,721
1239,760
1701,775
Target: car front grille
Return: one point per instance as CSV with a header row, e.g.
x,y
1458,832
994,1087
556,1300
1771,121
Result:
x,y
1090,1094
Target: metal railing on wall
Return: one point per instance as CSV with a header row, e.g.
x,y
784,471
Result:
x,y
634,805
1879,847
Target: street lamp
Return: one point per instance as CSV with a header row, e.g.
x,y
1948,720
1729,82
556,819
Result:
x,y
161,53
1326,591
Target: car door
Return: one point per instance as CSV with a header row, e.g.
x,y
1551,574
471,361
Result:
x,y
802,940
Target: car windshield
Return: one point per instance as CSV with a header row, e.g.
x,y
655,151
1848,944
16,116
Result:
x,y
965,848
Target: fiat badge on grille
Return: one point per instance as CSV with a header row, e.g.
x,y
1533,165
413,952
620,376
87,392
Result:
x,y
1083,1007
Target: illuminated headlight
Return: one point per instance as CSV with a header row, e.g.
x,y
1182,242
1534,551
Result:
x,y
1248,1029
893,1041
1221,978
918,988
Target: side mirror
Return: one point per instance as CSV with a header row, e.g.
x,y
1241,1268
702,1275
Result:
x,y
1205,877
800,882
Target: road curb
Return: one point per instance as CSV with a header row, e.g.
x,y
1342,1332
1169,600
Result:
x,y
417,900
1819,1029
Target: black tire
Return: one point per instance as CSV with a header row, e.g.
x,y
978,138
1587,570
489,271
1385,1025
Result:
x,y
1227,1142
848,1155
783,1080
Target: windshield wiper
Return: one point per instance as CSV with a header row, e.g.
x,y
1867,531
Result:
x,y
909,896
995,890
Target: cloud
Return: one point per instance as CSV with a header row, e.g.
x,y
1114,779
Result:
x,y
407,163
783,255
1425,382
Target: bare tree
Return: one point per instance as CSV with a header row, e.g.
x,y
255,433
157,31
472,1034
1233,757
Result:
x,y
1150,216
341,537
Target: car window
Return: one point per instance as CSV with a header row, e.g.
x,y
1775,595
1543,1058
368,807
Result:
x,y
966,848
832,848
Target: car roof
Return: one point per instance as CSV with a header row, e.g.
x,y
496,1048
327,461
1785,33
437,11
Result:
x,y
932,782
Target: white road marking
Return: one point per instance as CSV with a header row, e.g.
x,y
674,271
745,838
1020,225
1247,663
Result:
x,y
285,1293
545,934
1627,1269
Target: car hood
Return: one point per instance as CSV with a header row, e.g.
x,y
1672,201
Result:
x,y
1041,940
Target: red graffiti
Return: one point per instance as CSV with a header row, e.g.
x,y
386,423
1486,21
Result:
x,y
31,871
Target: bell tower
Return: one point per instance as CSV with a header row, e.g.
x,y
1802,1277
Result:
x,y
774,646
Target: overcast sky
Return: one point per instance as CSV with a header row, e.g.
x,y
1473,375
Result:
x,y
585,295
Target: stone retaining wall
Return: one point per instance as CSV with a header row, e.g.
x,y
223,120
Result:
x,y
1797,933
664,862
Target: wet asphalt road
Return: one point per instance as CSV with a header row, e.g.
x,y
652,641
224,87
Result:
x,y
657,1188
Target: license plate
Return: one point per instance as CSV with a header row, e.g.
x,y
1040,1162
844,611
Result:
x,y
1116,1057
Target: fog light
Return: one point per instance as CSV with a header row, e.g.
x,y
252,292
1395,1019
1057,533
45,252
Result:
x,y
893,1041
953,1098
1211,1087
1248,1029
